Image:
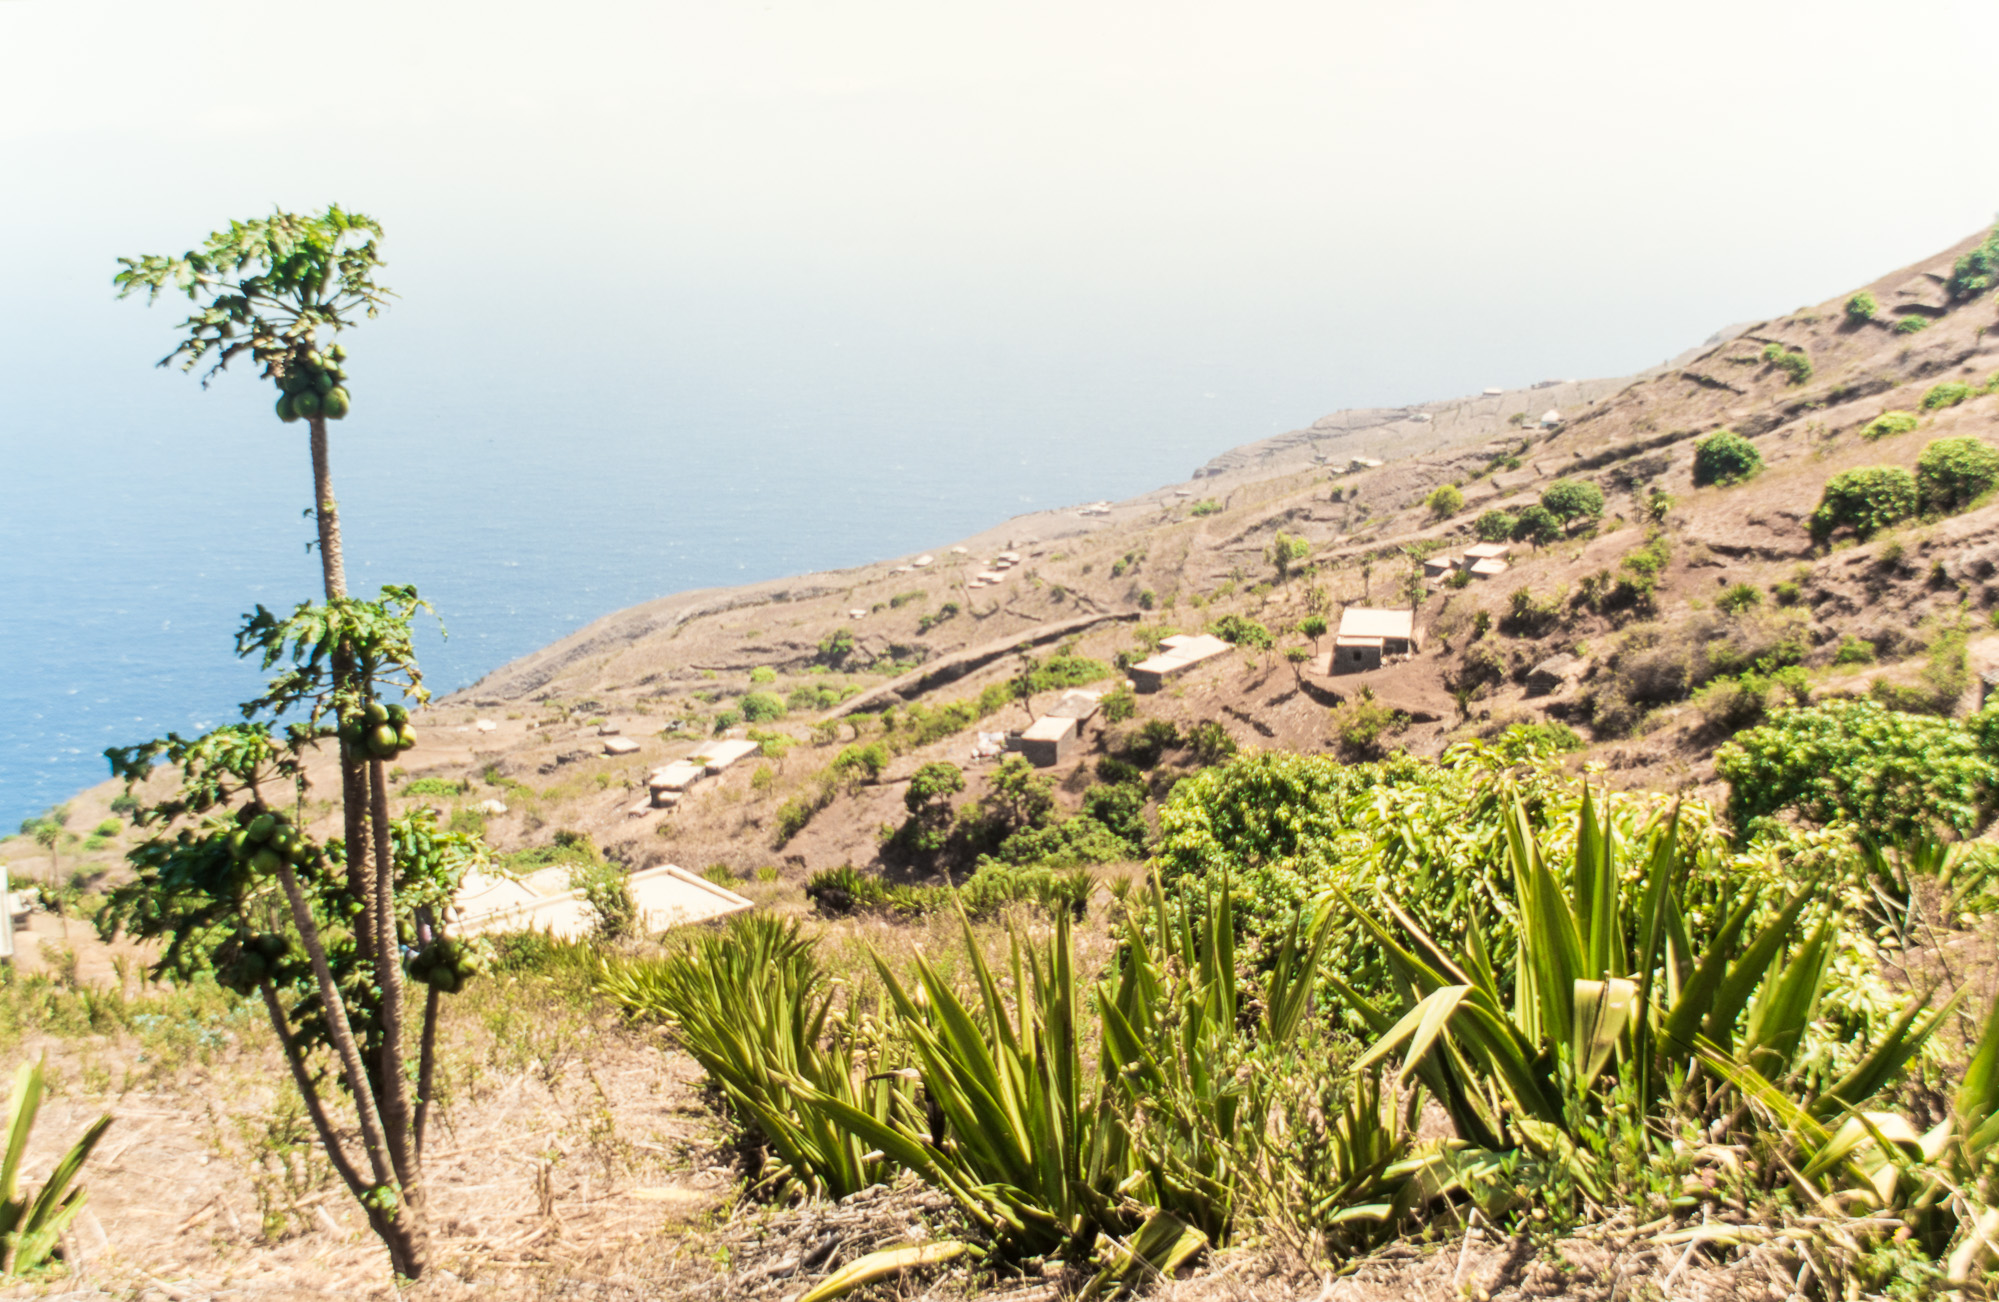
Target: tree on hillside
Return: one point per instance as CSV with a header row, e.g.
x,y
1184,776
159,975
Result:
x,y
46,829
1537,526
1573,500
230,880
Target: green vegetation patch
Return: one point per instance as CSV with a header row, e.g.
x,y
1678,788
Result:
x,y
1725,457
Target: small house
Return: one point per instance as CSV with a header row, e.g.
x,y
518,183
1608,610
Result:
x,y
1048,740
1176,656
1438,566
720,755
1487,552
1369,638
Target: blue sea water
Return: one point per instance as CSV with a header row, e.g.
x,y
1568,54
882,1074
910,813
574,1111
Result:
x,y
527,486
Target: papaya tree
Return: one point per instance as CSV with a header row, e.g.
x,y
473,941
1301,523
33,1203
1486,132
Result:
x,y
230,881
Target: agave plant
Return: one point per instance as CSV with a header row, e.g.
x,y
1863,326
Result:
x,y
1142,1153
1941,1184
1606,985
30,1226
751,1005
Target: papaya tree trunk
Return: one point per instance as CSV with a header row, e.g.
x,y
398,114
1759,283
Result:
x,y
326,511
395,1098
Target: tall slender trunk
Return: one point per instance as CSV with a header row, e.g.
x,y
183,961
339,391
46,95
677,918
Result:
x,y
327,512
370,869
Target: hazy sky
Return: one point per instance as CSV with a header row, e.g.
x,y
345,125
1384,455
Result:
x,y
1411,200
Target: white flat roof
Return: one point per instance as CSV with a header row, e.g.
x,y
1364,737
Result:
x,y
1360,621
666,896
1049,727
724,753
1483,551
677,775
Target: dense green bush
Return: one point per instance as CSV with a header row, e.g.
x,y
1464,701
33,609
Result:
x,y
1893,775
761,707
1854,651
1890,422
1241,631
1861,307
1867,500
1536,525
1977,270
1445,500
1953,473
1912,324
1947,394
1792,362
1493,526
1206,506
1725,457
1570,500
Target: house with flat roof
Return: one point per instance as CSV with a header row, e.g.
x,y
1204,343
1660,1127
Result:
x,y
1176,656
1368,638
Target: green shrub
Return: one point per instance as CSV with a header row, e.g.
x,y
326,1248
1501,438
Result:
x,y
1445,500
1890,422
1787,593
763,674
1285,551
901,599
924,623
468,822
1738,598
1210,742
726,720
1976,271
1362,723
1861,307
1149,744
1536,525
836,648
110,827
1794,364
1523,741
1953,473
1206,506
1147,598
862,761
1909,325
1895,776
1947,394
1867,500
761,707
1725,457
1853,651
1570,500
1240,631
436,787
1493,526
1119,705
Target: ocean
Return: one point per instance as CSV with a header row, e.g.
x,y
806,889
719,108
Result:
x,y
141,517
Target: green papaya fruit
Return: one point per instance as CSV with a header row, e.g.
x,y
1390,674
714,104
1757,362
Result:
x,y
306,404
336,404
322,384
376,712
261,827
398,714
313,360
285,410
405,737
266,862
338,352
238,842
